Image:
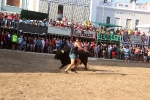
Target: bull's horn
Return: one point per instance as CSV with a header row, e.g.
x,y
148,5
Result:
x,y
62,51
55,50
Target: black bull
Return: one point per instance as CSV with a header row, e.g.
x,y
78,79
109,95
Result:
x,y
63,56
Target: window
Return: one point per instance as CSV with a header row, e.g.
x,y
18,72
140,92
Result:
x,y
136,23
126,5
121,5
128,23
108,20
117,21
13,3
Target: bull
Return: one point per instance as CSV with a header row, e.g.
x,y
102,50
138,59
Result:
x,y
63,56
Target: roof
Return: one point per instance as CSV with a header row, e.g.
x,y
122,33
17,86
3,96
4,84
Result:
x,y
107,25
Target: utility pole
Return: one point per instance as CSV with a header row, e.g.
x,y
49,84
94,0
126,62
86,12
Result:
x,y
105,1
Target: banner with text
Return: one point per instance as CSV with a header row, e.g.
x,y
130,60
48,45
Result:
x,y
133,39
85,34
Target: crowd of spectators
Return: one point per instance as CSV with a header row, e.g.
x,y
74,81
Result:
x,y
9,20
47,45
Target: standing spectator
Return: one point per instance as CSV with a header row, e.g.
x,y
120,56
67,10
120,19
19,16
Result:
x,y
57,43
28,43
70,44
64,43
104,50
50,48
5,19
85,46
92,48
20,40
9,40
9,19
2,40
1,19
24,44
132,50
43,44
65,20
54,43
148,58
145,54
6,38
39,44
35,44
96,50
113,53
88,46
31,44
109,51
126,54
47,45
14,41
137,51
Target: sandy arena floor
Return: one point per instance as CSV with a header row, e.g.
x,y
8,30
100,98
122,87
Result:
x,y
31,76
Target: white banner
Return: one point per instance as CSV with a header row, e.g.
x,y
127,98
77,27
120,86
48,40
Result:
x,y
135,39
85,34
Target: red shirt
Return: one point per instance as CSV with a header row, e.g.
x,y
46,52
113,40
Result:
x,y
31,41
54,42
2,38
92,46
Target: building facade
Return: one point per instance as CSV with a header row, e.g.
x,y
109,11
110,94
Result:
x,y
77,10
128,15
17,5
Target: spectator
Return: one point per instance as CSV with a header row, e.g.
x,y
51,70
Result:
x,y
14,41
24,44
2,40
31,44
6,38
145,54
109,51
39,44
20,40
65,20
126,54
28,43
43,44
35,44
137,51
57,43
54,43
96,51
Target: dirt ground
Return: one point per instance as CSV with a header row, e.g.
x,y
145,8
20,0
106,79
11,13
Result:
x,y
31,76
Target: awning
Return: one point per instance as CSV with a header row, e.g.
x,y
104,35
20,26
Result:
x,y
32,15
144,26
106,25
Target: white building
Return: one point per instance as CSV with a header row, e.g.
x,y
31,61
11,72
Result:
x,y
128,15
15,6
77,10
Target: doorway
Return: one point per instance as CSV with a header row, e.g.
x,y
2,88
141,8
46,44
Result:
x,y
60,12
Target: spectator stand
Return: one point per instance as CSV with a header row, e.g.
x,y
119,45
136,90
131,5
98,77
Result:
x,y
108,36
9,22
30,24
61,33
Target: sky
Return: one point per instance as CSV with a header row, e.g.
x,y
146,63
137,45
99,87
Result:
x,y
138,1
